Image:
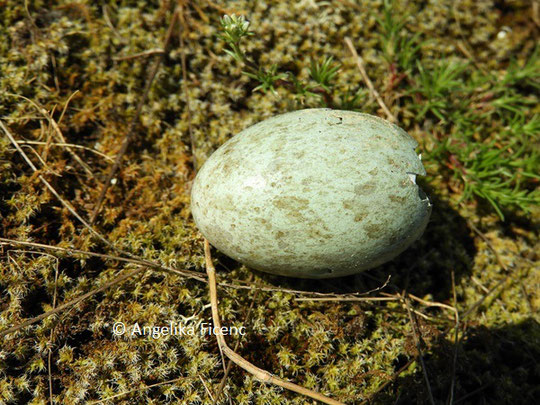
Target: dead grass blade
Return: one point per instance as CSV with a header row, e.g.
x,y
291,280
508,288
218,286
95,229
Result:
x,y
257,372
369,84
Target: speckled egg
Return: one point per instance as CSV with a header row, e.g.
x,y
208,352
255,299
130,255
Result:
x,y
313,193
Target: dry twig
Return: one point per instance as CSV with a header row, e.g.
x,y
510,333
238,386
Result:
x,y
71,145
57,131
185,88
416,334
135,260
49,357
206,389
456,343
499,261
349,299
488,242
65,203
149,52
229,363
369,84
138,389
258,373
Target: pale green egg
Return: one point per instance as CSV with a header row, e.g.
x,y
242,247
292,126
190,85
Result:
x,y
314,193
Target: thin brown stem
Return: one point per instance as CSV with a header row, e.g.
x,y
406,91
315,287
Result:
x,y
149,52
229,363
456,343
141,262
49,357
64,202
257,372
58,132
138,389
416,334
369,84
186,89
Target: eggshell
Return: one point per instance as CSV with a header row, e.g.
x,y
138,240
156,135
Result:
x,y
313,193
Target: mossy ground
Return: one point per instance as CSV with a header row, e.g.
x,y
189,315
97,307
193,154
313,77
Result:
x,y
68,58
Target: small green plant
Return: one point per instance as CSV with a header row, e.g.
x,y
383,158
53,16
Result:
x,y
501,170
267,78
391,28
235,28
398,47
434,87
323,73
526,75
349,100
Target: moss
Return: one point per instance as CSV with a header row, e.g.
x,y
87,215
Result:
x,y
349,350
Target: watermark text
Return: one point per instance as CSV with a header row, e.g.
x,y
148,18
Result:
x,y
201,328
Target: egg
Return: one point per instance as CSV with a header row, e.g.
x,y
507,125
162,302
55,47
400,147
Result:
x,y
315,193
